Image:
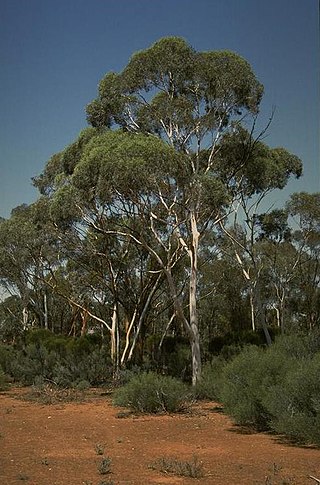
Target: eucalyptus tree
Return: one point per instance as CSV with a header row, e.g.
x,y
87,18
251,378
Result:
x,y
264,170
304,209
156,167
189,100
22,255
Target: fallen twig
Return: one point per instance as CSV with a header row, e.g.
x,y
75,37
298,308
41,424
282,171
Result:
x,y
314,478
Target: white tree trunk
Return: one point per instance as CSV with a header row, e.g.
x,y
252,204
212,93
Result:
x,y
194,327
45,305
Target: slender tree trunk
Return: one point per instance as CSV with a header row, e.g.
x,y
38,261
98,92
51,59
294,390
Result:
x,y
166,329
278,316
84,326
192,330
25,318
143,315
45,305
194,334
113,337
252,312
261,317
128,333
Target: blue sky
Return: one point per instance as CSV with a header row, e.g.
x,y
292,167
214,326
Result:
x,y
54,52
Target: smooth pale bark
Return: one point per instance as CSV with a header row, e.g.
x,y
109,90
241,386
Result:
x,y
113,336
25,315
45,305
252,313
128,333
84,326
142,317
194,327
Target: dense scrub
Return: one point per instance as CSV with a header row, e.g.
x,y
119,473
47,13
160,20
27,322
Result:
x,y
277,388
67,362
153,393
273,388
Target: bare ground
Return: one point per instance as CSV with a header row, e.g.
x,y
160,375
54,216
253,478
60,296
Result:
x,y
57,444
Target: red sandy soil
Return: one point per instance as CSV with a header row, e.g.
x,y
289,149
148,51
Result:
x,y
57,445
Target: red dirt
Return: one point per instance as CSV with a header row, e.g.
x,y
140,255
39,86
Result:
x,y
56,445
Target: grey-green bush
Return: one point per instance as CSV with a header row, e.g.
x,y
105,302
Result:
x,y
153,393
209,386
247,380
3,382
294,404
276,388
55,359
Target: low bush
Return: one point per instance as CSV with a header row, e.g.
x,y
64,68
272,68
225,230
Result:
x,y
209,387
53,357
3,381
247,380
240,392
153,393
8,355
185,468
294,404
277,388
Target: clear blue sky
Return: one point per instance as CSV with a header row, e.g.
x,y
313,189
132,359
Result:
x,y
54,52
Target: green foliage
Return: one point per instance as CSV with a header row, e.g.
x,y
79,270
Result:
x,y
8,355
3,381
31,362
153,393
181,80
276,388
37,336
294,404
242,388
231,343
174,358
211,380
66,361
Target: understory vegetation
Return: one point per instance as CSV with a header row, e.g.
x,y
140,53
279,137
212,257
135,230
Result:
x,y
266,388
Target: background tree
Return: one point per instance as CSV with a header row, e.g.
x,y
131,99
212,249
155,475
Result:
x,y
304,210
259,170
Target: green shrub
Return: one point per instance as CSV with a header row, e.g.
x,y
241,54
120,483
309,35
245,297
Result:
x,y
276,388
240,392
209,387
247,380
174,358
49,357
8,355
298,346
294,404
3,382
153,393
81,385
57,344
34,360
38,335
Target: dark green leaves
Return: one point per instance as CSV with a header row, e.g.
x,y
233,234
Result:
x,y
171,90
